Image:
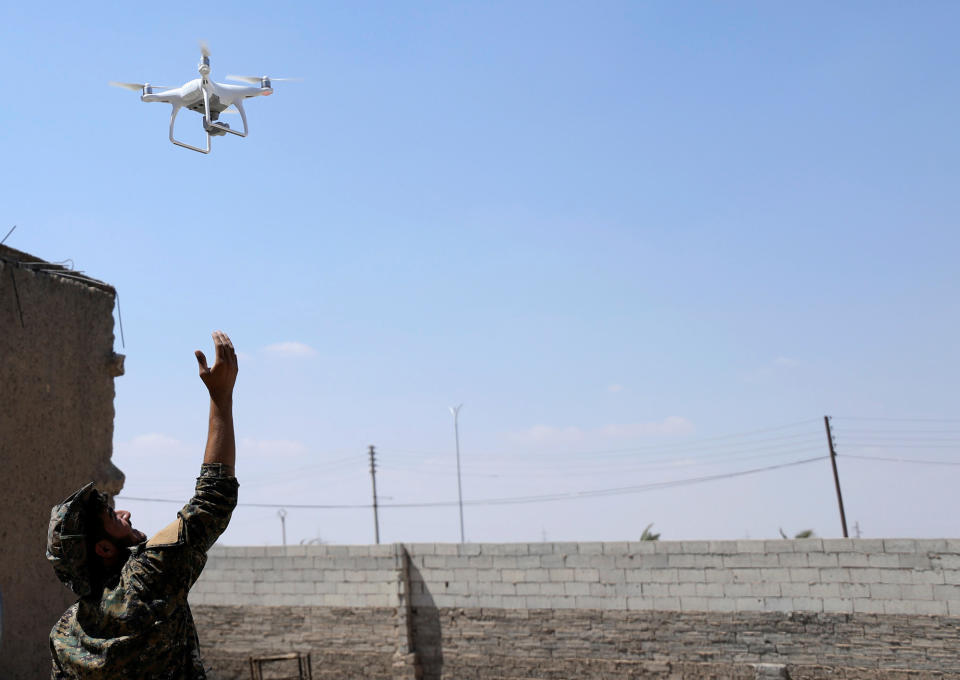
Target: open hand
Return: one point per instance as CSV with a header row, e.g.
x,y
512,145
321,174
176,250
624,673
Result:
x,y
221,378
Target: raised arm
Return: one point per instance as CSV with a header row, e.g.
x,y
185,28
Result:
x,y
221,444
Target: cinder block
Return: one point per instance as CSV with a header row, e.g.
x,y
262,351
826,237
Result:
x,y
751,560
695,547
513,575
765,589
824,590
804,575
616,548
749,604
667,547
854,590
920,591
709,589
899,607
885,591
691,576
571,588
514,602
639,603
612,576
566,548
541,602
718,576
642,547
781,546
721,604
837,605
931,545
554,561
591,602
795,589
940,592
734,590
868,575
808,545
778,604
540,548
808,604
778,575
682,590
651,590
930,608
899,545
915,561
547,589
883,560
666,604
838,545
722,547
750,547
589,575
508,561
823,559
838,575
694,604
867,545
864,605
592,548
591,561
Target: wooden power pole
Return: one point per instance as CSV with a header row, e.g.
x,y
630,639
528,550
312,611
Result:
x,y
836,476
373,477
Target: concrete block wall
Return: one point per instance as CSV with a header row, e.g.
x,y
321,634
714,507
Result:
x,y
302,576
872,576
697,609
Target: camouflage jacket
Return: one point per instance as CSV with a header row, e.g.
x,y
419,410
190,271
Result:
x,y
139,624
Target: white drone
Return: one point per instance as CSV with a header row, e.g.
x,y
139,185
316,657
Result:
x,y
206,97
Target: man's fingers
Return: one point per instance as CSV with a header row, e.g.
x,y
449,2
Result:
x,y
202,360
220,346
230,351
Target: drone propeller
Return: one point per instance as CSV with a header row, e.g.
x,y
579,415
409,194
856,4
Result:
x,y
204,48
136,86
256,80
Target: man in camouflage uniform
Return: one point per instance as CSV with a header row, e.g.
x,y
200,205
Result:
x,y
132,620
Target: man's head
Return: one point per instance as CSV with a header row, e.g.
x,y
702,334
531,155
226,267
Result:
x,y
108,532
86,539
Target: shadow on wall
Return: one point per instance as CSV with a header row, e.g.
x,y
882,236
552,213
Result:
x,y
427,637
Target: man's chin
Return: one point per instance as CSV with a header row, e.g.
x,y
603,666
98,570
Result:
x,y
138,537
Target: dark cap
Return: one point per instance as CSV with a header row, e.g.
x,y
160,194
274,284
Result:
x,y
67,539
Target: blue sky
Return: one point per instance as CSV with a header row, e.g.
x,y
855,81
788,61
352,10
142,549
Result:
x,y
628,227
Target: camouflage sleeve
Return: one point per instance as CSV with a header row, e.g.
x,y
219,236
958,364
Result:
x,y
171,561
207,514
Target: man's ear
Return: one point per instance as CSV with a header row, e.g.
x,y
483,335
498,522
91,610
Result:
x,y
105,549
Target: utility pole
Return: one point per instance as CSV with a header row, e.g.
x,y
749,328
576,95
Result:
x,y
282,514
836,476
373,478
456,435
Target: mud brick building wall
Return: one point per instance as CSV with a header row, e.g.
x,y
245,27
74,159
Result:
x,y
57,368
844,608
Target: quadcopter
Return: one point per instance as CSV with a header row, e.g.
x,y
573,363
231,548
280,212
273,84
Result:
x,y
207,98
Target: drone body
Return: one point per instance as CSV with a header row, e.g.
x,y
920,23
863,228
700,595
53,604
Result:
x,y
207,98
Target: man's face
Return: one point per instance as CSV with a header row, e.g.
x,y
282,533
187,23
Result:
x,y
116,523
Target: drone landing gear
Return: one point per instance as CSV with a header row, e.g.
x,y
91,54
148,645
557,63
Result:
x,y
213,128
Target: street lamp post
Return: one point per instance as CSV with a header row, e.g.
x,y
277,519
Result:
x,y
455,410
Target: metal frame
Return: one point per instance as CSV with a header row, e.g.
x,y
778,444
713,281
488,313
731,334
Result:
x,y
304,671
207,122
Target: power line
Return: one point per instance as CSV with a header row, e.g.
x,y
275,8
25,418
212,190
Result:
x,y
697,443
904,460
592,493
